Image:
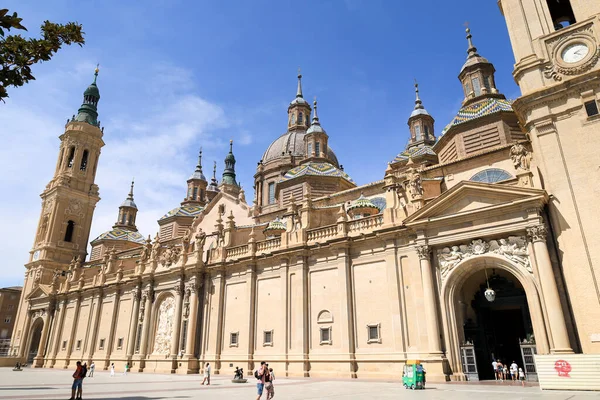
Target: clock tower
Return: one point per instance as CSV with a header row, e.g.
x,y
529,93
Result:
x,y
556,44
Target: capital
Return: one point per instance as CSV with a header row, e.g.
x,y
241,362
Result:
x,y
424,252
537,233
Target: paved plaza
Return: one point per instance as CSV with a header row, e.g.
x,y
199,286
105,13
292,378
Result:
x,y
55,384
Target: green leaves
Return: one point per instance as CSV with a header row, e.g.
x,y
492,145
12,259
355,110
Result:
x,y
17,54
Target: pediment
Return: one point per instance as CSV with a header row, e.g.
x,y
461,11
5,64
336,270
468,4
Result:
x,y
472,197
41,291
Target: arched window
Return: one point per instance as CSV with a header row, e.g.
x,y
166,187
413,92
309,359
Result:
x,y
561,13
195,195
71,156
476,86
84,160
491,175
317,149
69,232
418,132
300,119
309,150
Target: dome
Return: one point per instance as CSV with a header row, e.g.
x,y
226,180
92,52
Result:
x,y
363,206
419,111
275,227
315,128
121,234
198,175
183,211
92,90
292,142
315,169
128,203
299,100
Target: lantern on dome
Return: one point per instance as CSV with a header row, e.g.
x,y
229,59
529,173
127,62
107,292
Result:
x,y
362,207
275,228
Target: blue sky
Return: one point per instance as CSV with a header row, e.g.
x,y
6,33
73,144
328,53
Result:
x,y
177,75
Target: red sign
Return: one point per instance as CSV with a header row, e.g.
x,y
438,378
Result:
x,y
563,368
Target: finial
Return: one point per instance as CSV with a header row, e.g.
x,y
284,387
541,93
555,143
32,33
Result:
x,y
96,72
299,92
199,166
315,115
231,145
418,102
215,170
131,190
472,50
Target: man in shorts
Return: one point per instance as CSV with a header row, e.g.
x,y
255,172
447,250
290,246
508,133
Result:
x,y
77,382
260,376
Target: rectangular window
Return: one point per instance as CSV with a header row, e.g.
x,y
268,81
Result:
x,y
476,86
309,150
374,333
591,108
195,195
78,345
317,149
487,84
101,345
138,339
268,338
233,339
467,89
325,335
64,345
272,193
418,132
120,343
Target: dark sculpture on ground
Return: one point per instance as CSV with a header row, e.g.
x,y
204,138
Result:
x,y
239,373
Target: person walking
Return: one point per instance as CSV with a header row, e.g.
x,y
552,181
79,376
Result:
x,y
206,375
522,377
126,368
514,371
112,369
495,366
77,382
92,368
260,375
500,371
270,385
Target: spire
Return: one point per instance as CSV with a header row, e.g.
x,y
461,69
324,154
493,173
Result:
x,y
213,186
198,174
88,111
472,50
418,102
229,171
315,125
315,119
129,200
299,91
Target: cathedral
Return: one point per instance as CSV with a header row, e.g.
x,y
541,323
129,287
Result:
x,y
476,244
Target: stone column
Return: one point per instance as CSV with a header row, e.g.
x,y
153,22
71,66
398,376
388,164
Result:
x,y
25,336
95,323
134,323
177,322
347,311
429,300
39,358
192,319
59,329
556,318
145,319
251,280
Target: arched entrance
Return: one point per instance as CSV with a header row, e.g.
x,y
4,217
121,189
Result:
x,y
34,343
495,328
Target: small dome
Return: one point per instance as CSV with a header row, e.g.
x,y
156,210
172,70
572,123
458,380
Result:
x,y
419,111
362,206
316,169
315,128
299,100
275,227
292,142
92,90
183,211
128,203
198,175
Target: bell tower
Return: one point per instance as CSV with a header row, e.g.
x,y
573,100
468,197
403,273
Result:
x,y
69,199
556,44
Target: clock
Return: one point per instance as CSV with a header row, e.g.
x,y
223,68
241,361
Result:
x,y
574,53
36,255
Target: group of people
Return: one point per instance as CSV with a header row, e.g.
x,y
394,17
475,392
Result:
x,y
264,381
505,373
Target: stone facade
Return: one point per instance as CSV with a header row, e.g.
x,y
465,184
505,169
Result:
x,y
326,278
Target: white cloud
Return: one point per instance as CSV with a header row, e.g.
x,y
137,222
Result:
x,y
156,142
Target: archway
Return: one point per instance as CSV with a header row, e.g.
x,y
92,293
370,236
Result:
x,y
493,328
34,342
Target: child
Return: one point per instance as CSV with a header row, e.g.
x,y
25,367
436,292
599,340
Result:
x,y
522,376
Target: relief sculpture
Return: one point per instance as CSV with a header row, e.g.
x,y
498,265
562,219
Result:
x,y
164,327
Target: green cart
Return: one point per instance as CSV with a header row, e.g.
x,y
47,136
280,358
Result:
x,y
413,376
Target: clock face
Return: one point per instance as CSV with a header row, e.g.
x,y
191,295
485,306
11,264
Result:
x,y
36,255
575,52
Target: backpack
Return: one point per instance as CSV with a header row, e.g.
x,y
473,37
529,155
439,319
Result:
x,y
256,375
83,371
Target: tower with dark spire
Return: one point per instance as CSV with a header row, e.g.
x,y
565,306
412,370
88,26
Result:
x,y
316,139
420,124
477,75
88,112
228,181
196,186
298,110
127,213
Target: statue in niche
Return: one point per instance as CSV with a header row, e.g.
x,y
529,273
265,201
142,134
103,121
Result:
x,y
520,157
146,250
164,327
